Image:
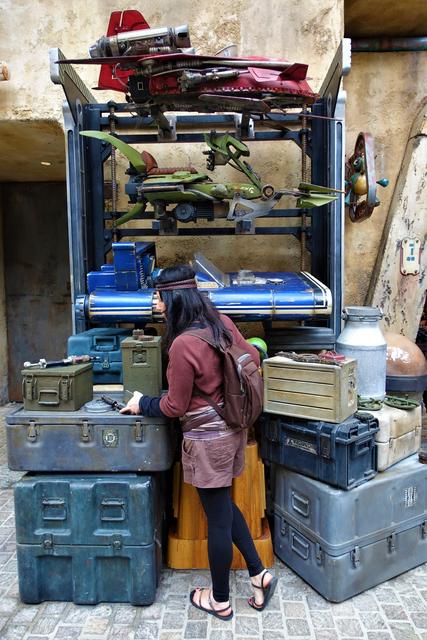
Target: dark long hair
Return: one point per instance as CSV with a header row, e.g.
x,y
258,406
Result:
x,y
185,307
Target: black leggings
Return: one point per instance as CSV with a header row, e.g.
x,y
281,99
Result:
x,y
226,524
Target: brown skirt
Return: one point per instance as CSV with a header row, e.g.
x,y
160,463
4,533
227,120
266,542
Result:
x,y
209,464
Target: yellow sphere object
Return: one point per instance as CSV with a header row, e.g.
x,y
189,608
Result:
x,y
360,187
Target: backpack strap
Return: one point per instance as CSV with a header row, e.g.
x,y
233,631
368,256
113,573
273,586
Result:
x,y
202,334
199,334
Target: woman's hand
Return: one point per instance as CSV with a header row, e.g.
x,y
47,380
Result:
x,y
133,404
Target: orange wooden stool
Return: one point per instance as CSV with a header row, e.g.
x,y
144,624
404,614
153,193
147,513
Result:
x,y
187,541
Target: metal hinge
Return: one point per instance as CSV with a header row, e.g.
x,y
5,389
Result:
x,y
47,541
85,431
355,556
32,431
319,553
391,542
138,431
424,529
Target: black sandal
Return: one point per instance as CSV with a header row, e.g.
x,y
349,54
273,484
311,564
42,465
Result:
x,y
212,611
268,592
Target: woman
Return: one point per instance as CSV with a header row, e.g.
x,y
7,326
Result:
x,y
212,452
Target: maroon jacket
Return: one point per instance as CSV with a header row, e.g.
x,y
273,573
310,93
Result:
x,y
194,364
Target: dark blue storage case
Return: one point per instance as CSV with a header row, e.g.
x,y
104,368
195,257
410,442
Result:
x,y
344,542
343,455
88,538
103,343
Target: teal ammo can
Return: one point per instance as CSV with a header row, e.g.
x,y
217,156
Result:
x,y
89,538
142,363
57,388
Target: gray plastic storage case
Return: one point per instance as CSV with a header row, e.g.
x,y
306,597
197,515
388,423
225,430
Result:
x,y
86,441
344,542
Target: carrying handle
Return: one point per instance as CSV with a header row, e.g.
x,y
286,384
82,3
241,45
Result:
x,y
113,510
300,504
300,545
105,343
361,448
51,397
54,509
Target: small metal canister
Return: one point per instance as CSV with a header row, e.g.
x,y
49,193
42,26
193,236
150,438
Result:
x,y
363,340
142,363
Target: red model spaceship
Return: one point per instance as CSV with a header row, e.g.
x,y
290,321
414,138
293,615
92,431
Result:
x,y
156,68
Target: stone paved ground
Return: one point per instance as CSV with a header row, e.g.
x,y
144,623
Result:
x,y
396,609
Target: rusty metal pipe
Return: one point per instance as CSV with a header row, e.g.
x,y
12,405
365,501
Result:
x,y
377,45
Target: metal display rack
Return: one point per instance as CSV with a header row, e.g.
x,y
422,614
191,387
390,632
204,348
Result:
x,y
321,139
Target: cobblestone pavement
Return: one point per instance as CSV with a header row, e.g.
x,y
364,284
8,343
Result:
x,y
396,609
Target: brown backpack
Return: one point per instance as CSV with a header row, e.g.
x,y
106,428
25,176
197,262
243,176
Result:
x,y
243,384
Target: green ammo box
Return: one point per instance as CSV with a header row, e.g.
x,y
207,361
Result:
x,y
57,388
142,364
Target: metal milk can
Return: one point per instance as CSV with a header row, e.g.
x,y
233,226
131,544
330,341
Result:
x,y
363,340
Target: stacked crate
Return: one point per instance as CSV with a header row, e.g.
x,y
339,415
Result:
x,y
338,524
89,514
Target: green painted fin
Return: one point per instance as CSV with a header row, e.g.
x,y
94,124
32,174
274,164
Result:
x,y
129,152
314,200
306,186
138,208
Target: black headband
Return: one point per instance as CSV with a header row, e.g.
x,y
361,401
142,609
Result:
x,y
190,283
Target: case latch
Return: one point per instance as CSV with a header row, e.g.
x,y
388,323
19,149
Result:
x,y
32,431
391,542
138,431
424,529
28,385
47,541
325,446
85,431
65,388
355,556
117,543
319,553
283,527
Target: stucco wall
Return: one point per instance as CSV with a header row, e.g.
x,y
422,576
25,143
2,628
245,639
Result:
x,y
308,33
278,28
384,94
